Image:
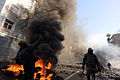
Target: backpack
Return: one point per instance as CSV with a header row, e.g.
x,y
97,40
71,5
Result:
x,y
91,60
91,63
21,56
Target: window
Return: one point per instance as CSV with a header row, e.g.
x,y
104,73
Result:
x,y
8,24
14,9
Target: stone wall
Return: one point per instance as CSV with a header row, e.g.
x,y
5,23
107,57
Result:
x,y
7,51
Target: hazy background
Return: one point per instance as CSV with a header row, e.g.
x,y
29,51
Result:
x,y
97,18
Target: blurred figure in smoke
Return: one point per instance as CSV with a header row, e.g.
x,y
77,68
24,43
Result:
x,y
109,66
27,58
92,63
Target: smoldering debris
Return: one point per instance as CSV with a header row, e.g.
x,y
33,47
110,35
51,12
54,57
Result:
x,y
47,54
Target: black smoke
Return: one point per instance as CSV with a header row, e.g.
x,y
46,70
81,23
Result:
x,y
51,38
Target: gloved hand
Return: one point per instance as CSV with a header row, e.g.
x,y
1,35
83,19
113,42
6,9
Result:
x,y
99,69
83,68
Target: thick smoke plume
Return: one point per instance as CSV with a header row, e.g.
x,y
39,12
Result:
x,y
46,20
106,52
49,32
110,53
101,54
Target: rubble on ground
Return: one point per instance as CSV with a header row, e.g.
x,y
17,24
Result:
x,y
74,72
66,71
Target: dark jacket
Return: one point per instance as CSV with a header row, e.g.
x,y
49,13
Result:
x,y
26,54
90,60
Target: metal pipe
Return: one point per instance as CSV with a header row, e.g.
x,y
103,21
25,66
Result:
x,y
72,75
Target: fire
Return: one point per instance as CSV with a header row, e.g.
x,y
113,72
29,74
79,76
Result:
x,y
42,72
16,69
40,64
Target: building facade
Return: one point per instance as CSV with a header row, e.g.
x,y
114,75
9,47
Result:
x,y
115,39
10,13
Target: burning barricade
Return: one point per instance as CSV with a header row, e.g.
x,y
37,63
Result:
x,y
41,72
50,44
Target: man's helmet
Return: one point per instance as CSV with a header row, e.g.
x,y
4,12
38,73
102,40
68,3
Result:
x,y
90,49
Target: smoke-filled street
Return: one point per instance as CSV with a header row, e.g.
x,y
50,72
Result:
x,y
59,40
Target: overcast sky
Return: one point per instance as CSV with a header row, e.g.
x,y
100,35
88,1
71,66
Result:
x,y
99,16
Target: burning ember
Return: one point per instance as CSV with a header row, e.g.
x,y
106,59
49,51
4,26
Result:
x,y
40,70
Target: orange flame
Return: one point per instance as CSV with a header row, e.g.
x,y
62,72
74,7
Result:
x,y
40,64
17,68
